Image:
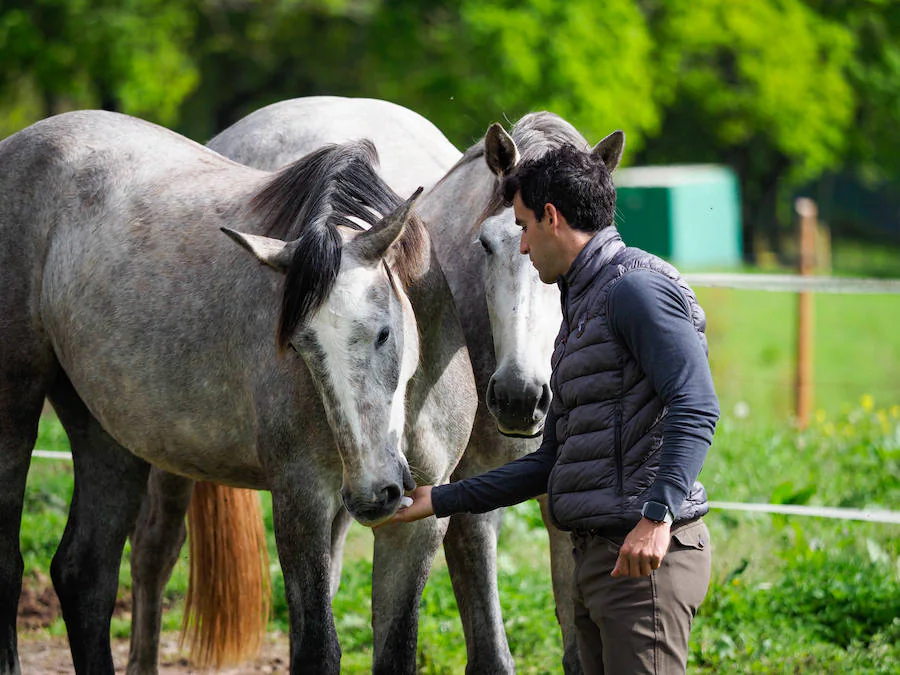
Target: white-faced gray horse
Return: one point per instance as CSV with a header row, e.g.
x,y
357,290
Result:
x,y
509,317
159,341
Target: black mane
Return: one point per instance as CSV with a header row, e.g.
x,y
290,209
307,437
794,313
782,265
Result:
x,y
307,201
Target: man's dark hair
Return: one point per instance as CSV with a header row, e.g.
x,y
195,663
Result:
x,y
574,181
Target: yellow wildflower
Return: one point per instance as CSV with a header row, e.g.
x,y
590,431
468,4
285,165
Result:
x,y
867,402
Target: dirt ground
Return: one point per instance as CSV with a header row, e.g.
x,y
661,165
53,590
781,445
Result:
x,y
42,654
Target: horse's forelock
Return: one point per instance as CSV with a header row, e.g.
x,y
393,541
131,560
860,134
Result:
x,y
538,133
308,200
309,280
365,196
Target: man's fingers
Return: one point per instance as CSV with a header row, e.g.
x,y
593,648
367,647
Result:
x,y
645,568
631,564
623,567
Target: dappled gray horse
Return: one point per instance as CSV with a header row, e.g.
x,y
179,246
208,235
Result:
x,y
160,341
509,317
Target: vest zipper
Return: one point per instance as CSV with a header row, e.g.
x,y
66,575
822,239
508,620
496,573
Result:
x,y
617,433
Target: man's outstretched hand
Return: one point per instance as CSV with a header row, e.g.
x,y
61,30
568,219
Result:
x,y
420,508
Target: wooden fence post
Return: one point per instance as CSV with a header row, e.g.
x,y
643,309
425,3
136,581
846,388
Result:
x,y
808,212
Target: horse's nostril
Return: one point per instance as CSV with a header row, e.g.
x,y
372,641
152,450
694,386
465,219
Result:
x,y
491,397
390,494
543,405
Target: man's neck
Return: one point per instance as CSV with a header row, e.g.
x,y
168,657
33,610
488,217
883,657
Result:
x,y
572,244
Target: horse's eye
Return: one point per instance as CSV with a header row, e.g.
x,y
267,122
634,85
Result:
x,y
486,246
383,337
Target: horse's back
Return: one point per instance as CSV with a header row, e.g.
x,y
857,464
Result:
x,y
87,138
412,151
90,165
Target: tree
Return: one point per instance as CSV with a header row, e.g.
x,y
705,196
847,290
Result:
x,y
467,63
761,85
128,56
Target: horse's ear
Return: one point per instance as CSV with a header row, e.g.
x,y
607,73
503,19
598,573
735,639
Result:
x,y
610,149
500,151
373,244
272,252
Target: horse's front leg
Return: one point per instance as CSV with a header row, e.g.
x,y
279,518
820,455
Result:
x,y
403,557
562,571
302,511
471,550
155,544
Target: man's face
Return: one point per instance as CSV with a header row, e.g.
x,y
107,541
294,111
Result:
x,y
537,240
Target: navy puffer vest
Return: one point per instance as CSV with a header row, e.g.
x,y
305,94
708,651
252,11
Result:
x,y
609,427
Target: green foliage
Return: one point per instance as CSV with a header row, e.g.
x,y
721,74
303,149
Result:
x,y
129,56
827,612
792,594
587,61
466,63
874,74
753,89
761,86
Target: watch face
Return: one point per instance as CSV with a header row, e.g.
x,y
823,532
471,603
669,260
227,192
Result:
x,y
655,511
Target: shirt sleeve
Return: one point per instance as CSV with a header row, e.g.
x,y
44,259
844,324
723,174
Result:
x,y
512,483
650,315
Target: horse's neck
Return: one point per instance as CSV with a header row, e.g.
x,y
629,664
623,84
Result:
x,y
451,211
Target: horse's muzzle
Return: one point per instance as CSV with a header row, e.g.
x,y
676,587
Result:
x,y
372,506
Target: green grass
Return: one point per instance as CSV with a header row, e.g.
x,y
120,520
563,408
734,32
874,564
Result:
x,y
752,347
864,259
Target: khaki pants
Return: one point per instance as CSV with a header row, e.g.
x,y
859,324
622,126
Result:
x,y
641,625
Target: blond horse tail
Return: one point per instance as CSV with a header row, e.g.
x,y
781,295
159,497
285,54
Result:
x,y
229,595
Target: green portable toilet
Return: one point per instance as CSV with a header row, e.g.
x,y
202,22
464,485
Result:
x,y
688,214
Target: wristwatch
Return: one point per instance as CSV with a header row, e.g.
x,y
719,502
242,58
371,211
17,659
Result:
x,y
658,513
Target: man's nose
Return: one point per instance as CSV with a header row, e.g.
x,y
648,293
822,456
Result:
x,y
523,245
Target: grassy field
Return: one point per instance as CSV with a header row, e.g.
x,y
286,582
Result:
x,y
752,338
752,346
789,594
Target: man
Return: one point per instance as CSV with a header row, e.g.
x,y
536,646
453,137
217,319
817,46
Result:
x,y
633,415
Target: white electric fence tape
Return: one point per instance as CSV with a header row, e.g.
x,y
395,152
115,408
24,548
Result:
x,y
870,515
794,283
52,454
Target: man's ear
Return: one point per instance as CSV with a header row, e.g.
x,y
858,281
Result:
x,y
552,215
